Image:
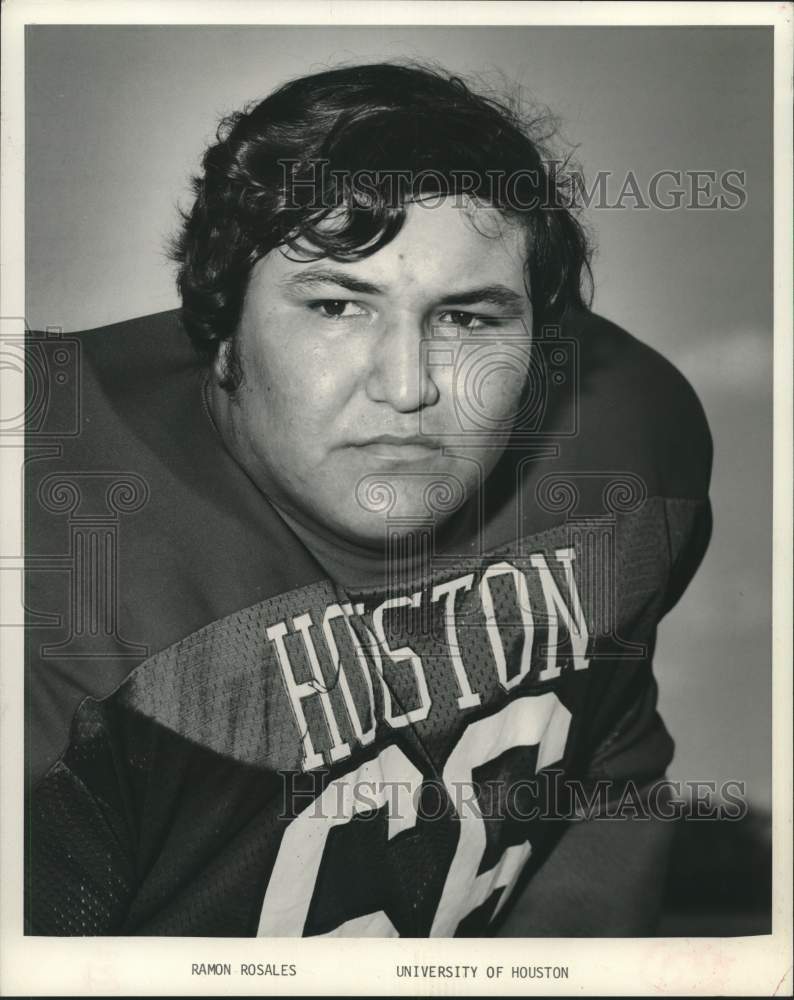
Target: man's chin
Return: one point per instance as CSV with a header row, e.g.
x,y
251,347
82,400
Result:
x,y
379,531
389,501
375,509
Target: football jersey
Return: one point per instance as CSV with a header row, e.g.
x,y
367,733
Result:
x,y
238,726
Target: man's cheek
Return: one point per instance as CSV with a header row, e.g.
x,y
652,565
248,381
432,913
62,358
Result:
x,y
497,398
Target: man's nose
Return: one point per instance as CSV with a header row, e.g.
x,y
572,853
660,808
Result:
x,y
399,374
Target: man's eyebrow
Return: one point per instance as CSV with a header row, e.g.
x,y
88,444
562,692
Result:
x,y
325,276
499,295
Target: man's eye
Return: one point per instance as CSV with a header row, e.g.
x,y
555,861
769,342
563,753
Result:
x,y
465,320
337,308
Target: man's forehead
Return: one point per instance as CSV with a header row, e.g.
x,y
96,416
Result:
x,y
442,241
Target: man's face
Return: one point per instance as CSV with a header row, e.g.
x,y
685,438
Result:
x,y
357,376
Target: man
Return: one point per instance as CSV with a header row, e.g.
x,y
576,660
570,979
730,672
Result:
x,y
361,604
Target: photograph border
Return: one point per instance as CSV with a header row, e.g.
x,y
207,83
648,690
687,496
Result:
x,y
37,966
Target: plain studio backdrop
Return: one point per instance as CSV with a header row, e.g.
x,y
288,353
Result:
x,y
117,118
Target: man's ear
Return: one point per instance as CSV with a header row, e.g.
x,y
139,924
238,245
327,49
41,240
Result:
x,y
223,364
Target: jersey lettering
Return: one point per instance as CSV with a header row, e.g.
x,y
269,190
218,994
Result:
x,y
393,781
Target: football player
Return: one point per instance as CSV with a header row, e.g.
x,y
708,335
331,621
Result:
x,y
365,549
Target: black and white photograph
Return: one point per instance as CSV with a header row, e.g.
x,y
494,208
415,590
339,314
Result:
x,y
396,499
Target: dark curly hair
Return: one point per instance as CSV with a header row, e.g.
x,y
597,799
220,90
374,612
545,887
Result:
x,y
337,142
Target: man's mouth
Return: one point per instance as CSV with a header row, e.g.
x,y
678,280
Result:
x,y
396,448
